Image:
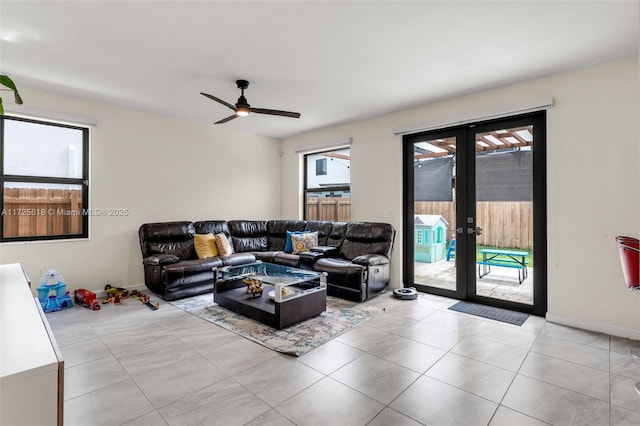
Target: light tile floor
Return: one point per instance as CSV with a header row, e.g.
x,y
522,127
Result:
x,y
414,363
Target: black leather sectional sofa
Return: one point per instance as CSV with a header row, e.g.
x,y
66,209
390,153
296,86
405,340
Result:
x,y
355,255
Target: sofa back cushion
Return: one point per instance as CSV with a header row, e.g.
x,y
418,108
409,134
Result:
x,y
215,227
322,228
362,238
168,238
212,227
248,235
277,232
336,236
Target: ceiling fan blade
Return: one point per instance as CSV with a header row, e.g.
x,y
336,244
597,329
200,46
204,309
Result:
x,y
275,112
227,104
224,120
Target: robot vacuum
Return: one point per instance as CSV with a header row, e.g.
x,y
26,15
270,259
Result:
x,y
405,293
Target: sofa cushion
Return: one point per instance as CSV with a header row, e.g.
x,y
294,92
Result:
x,y
265,256
322,227
336,236
248,235
196,265
189,272
341,272
277,232
238,259
371,260
168,238
211,226
205,245
362,238
160,259
286,259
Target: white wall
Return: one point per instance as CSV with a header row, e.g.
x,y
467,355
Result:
x,y
593,182
160,169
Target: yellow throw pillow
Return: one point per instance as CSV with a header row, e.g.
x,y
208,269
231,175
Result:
x,y
224,247
205,245
304,242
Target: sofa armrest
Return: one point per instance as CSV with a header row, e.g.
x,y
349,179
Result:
x,y
160,259
327,251
308,258
371,260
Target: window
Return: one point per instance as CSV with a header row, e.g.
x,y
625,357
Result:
x,y
327,185
321,166
44,177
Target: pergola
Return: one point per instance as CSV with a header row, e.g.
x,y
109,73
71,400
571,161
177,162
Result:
x,y
513,138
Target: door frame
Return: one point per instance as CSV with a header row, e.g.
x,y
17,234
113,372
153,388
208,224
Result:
x,y
465,207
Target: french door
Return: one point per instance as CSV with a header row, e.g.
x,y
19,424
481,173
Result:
x,y
475,212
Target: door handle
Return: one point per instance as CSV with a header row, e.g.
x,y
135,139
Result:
x,y
477,230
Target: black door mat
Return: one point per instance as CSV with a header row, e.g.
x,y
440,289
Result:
x,y
498,314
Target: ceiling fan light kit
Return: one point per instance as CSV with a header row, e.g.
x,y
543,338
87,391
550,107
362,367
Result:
x,y
242,111
242,107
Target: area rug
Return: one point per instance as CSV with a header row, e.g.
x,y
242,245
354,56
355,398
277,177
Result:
x,y
498,314
340,316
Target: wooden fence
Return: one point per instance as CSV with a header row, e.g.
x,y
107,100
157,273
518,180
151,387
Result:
x,y
335,209
31,212
504,224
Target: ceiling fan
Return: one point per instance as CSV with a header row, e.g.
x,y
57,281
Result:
x,y
242,107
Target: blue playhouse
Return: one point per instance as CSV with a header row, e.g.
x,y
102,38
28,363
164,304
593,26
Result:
x,y
430,232
52,293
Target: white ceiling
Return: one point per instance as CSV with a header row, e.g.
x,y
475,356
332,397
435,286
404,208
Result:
x,y
332,61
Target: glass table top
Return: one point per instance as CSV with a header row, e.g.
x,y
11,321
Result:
x,y
269,273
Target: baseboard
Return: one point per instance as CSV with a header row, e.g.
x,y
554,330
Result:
x,y
612,330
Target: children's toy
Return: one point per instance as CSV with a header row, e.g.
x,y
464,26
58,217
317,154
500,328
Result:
x,y
86,298
144,299
115,294
52,292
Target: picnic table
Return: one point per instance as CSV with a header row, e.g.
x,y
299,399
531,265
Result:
x,y
505,259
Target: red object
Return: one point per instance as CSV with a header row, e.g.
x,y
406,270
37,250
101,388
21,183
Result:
x,y
86,298
629,250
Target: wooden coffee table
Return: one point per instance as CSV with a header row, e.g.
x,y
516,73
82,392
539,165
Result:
x,y
296,294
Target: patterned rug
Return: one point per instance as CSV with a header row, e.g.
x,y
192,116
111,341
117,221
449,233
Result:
x,y
340,316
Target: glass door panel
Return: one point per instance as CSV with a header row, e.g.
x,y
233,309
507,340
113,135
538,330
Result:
x,y
434,212
504,212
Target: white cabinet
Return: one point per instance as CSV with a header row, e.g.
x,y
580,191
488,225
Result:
x,y
31,365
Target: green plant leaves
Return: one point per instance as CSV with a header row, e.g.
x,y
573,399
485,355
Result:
x,y
7,82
